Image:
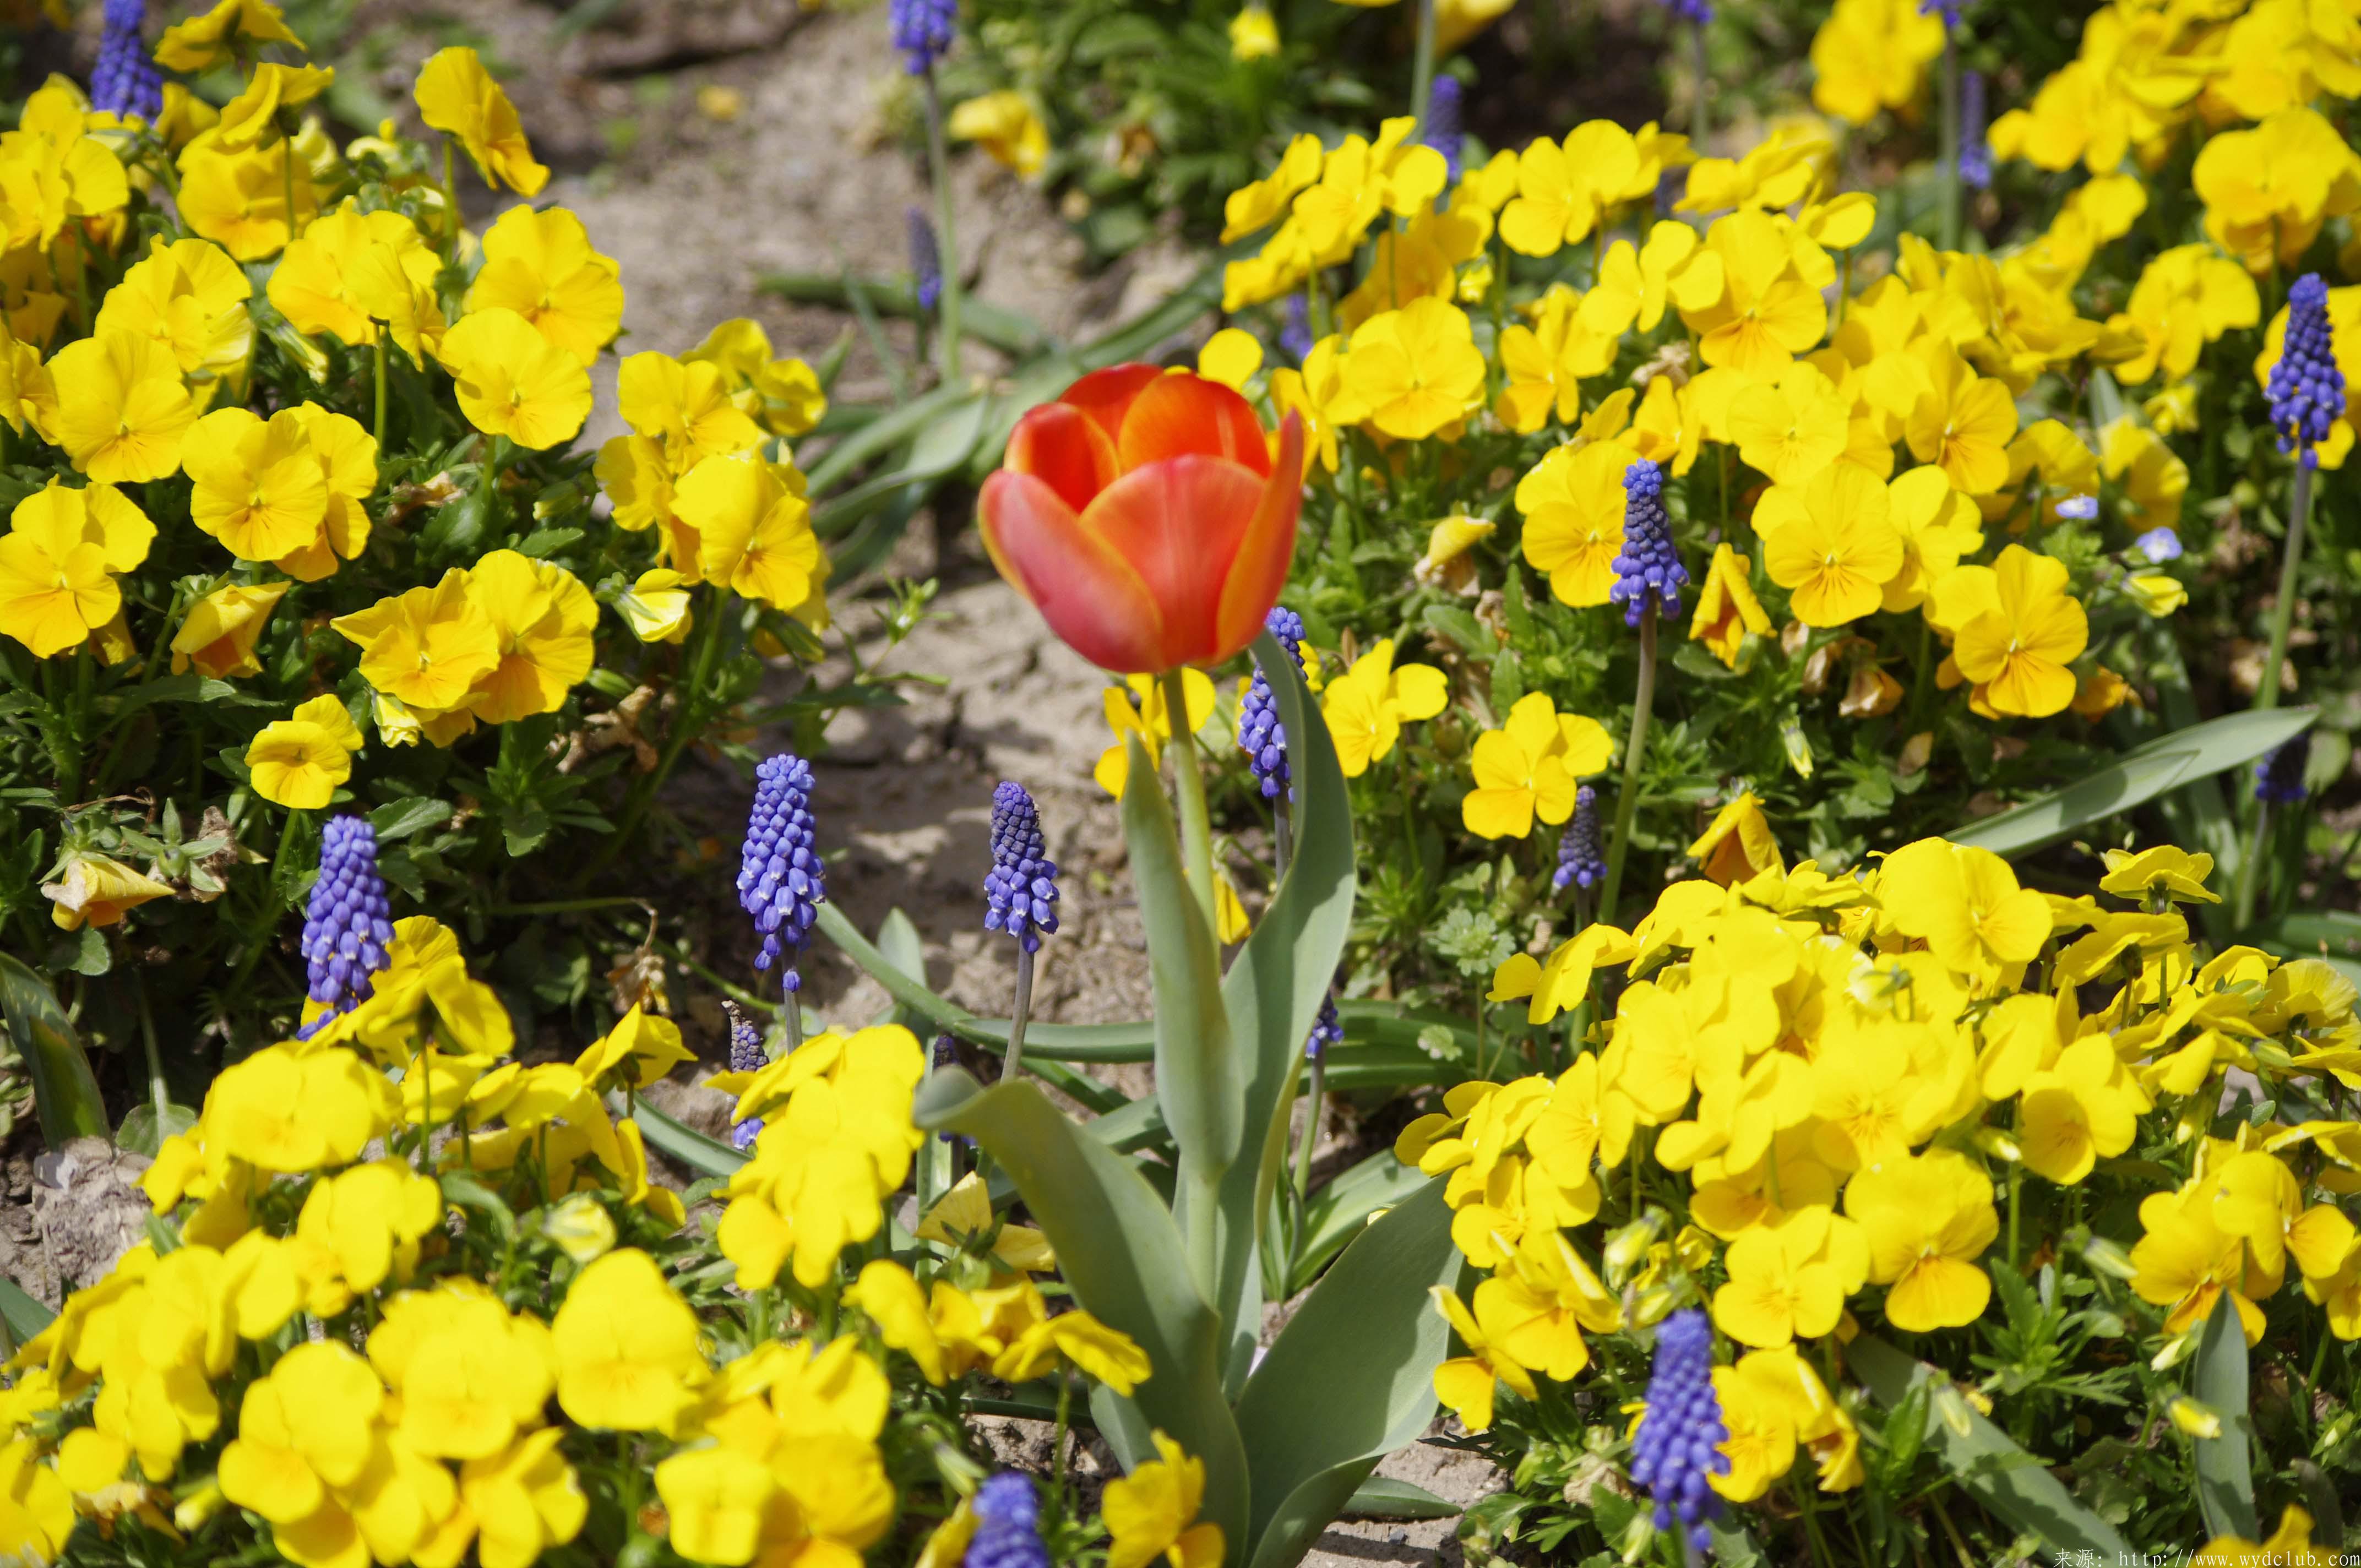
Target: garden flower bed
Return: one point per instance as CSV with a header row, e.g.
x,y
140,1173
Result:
x,y
1717,882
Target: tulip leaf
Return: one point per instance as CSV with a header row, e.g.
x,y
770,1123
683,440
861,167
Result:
x,y
707,1156
1350,1379
22,1315
1341,1211
2165,763
1277,983
65,1090
1120,1251
2225,1478
1991,1469
1383,1498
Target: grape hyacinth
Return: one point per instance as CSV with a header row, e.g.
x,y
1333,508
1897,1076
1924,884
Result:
x,y
1260,734
348,921
1022,884
2278,777
1326,1030
1578,859
1647,569
779,876
1677,1443
1443,132
2306,389
1295,337
1007,1525
745,1055
1697,12
125,81
1975,151
923,31
926,260
1950,10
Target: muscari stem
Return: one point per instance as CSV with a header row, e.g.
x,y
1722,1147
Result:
x,y
1316,1092
1013,1062
1189,784
1949,214
791,1015
939,166
1627,804
2267,694
1422,67
382,333
1698,121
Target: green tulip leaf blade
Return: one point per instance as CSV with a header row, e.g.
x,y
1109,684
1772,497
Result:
x,y
1994,1471
1350,1379
668,1135
1341,1211
65,1090
1121,1253
1384,1498
2225,1478
2140,775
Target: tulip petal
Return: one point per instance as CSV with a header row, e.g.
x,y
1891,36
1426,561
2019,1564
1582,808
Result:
x,y
1180,413
1259,572
1079,582
1065,449
1105,395
1178,524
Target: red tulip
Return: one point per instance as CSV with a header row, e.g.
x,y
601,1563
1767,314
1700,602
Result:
x,y
1147,518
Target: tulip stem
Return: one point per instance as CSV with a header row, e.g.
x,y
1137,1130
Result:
x,y
1189,784
1627,804
1421,69
938,165
1948,215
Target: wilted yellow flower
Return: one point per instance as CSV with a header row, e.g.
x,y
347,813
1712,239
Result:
x,y
96,890
456,95
201,42
1727,608
220,631
1738,844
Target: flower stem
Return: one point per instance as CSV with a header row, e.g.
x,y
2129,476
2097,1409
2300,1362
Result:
x,y
1627,804
382,332
1697,120
939,166
1316,1094
2267,696
1422,67
686,722
791,1013
159,1096
1012,1063
1189,784
1947,215
2249,868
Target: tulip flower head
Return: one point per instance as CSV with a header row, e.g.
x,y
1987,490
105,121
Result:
x,y
1022,884
780,880
1676,1446
1147,517
348,923
1260,734
2306,389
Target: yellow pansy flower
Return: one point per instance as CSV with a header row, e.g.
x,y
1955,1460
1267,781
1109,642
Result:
x,y
456,96
253,115
1831,543
2149,477
1230,356
1791,430
348,458
1927,1218
1366,706
190,297
122,410
2083,1109
1005,125
753,528
542,620
1572,504
1765,313
1152,1513
1525,771
1543,364
1565,190
300,761
1464,1383
684,406
426,646
239,199
627,1347
512,382
1564,982
1871,55
204,41
1937,525
782,396
257,484
1962,422
1253,33
1789,1278
1965,904
58,562
1726,608
540,265
2018,650
1316,395
1138,705
1411,372
656,606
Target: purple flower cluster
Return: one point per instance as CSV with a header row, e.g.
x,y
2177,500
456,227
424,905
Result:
x,y
1007,1525
1647,569
1950,10
1260,734
1326,1030
1697,12
348,921
2278,777
745,1055
1444,132
923,31
1678,1443
780,881
2306,389
1578,859
1975,150
1295,337
926,260
125,81
1022,885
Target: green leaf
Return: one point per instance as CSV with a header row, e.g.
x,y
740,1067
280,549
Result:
x,y
2225,1481
1383,1498
1340,1211
1122,1255
1350,1379
189,687
400,818
140,1133
23,1316
2163,763
1994,1471
684,1144
65,1091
